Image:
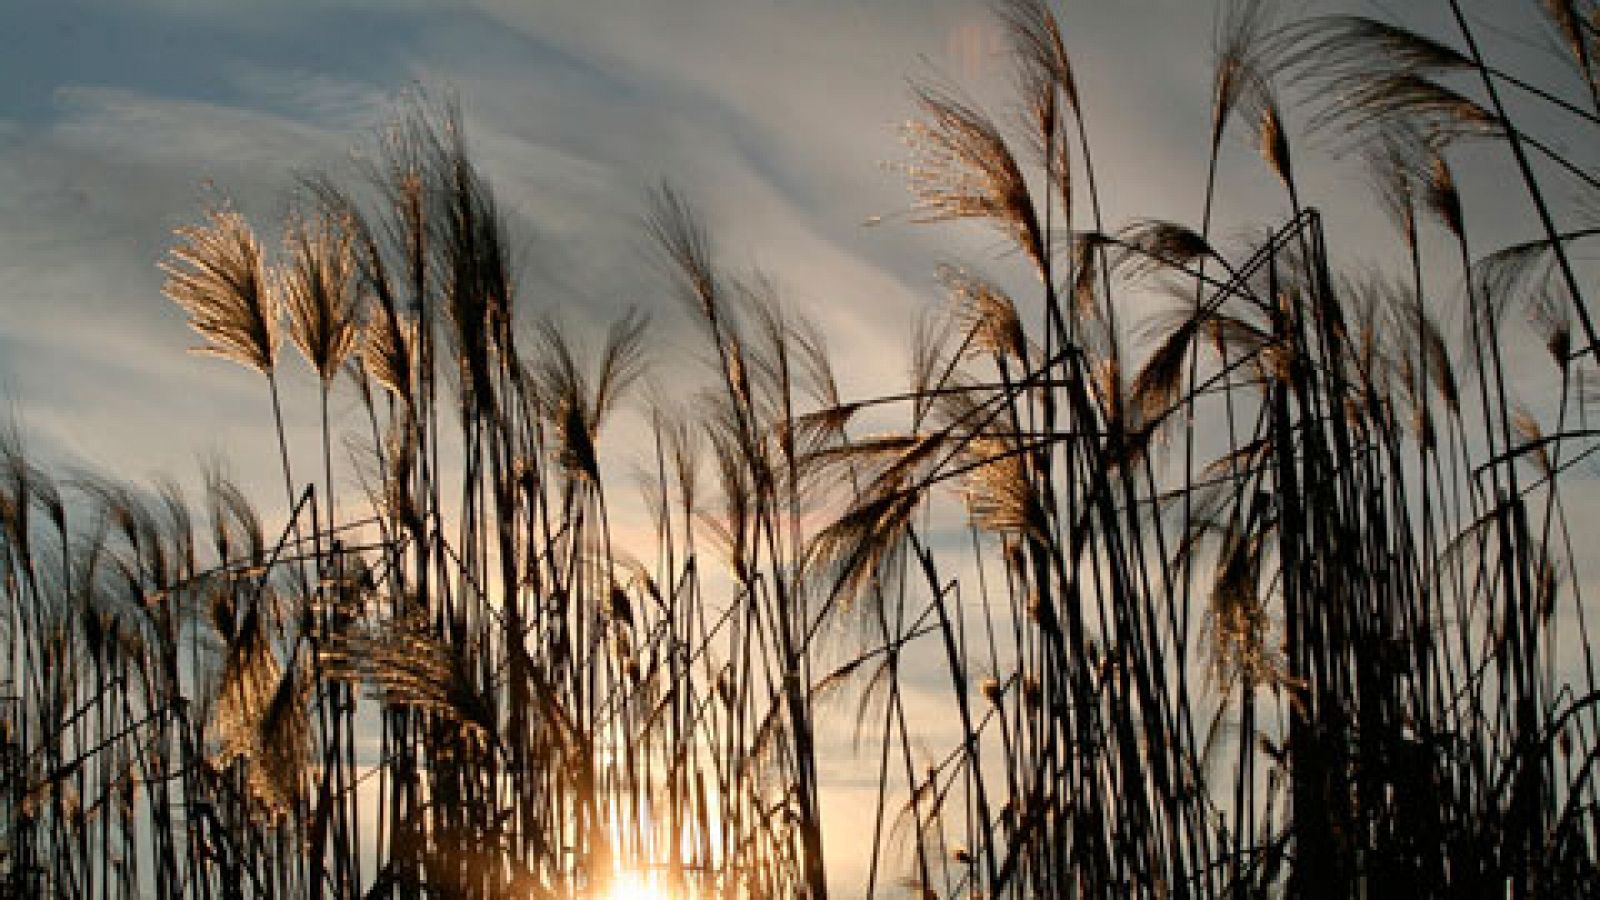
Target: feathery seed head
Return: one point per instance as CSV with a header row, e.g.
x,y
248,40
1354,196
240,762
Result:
x,y
963,169
985,312
319,288
217,275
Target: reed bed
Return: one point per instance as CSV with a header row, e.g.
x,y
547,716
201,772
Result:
x,y
1241,574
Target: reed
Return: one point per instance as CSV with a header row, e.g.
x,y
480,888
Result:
x,y
1243,577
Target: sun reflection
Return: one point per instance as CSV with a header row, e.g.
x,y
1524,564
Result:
x,y
636,886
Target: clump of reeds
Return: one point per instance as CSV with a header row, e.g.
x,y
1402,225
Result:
x,y
1242,575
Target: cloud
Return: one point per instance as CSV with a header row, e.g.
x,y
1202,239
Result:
x,y
771,116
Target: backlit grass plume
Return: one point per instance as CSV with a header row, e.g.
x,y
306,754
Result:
x,y
318,285
217,275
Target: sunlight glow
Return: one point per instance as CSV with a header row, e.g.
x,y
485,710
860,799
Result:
x,y
636,886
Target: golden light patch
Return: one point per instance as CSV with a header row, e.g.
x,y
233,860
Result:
x,y
636,886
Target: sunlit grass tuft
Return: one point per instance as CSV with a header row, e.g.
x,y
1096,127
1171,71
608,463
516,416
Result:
x,y
1187,566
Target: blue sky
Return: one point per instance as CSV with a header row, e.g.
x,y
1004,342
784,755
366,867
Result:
x,y
122,120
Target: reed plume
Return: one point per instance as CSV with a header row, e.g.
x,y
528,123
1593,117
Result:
x,y
217,275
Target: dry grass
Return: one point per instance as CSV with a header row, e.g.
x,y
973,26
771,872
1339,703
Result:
x,y
1287,602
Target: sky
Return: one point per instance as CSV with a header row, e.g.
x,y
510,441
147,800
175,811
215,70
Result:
x,y
123,119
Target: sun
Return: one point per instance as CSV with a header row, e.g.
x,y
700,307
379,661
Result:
x,y
636,886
